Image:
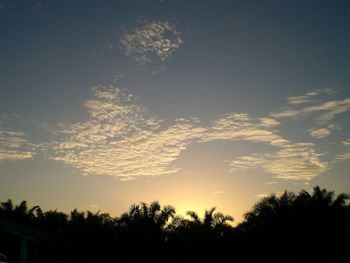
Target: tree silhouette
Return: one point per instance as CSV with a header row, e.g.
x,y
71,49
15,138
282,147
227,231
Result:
x,y
297,225
293,227
142,228
210,220
151,214
7,207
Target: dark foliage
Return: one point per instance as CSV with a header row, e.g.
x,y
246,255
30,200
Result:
x,y
299,227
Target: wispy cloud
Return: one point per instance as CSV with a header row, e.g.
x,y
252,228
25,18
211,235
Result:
x,y
345,155
308,97
331,108
272,182
262,195
156,38
239,126
293,162
254,160
346,142
13,144
342,157
322,132
323,111
328,111
269,122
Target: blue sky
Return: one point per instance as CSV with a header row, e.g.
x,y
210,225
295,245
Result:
x,y
192,103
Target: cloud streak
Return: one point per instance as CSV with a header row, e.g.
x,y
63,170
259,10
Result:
x,y
240,126
345,155
308,97
293,162
346,142
325,111
157,38
328,111
13,144
322,132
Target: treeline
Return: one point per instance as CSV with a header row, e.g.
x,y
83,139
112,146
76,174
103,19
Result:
x,y
302,227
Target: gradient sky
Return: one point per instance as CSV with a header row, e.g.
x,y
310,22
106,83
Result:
x,y
191,103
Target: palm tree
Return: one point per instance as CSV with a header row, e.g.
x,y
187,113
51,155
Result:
x,y
7,206
35,212
211,227
148,213
21,209
210,219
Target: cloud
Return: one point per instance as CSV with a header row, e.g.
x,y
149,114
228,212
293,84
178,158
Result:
x,y
13,145
330,108
269,122
159,38
288,113
297,162
254,160
263,195
325,111
322,132
345,155
119,139
346,142
272,182
342,157
293,162
240,126
308,97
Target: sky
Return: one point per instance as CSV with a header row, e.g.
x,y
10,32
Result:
x,y
192,103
